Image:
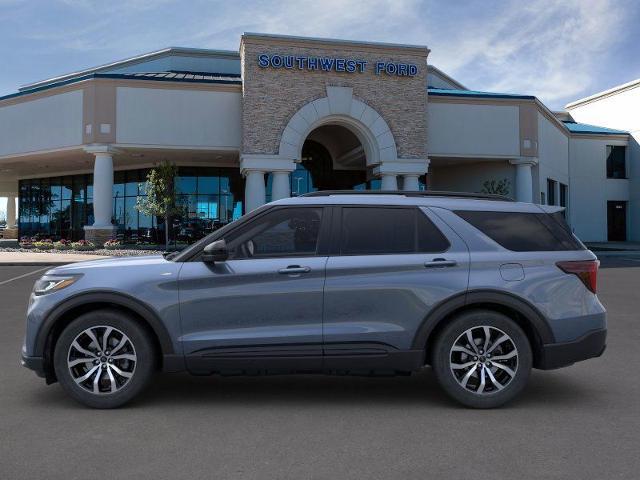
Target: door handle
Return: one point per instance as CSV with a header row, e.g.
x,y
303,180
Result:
x,y
440,263
293,269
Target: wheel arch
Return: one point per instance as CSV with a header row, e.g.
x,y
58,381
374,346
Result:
x,y
528,317
75,306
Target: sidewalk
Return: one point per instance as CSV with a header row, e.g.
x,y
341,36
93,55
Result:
x,y
30,258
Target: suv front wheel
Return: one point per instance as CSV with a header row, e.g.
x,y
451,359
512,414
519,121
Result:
x,y
104,358
482,359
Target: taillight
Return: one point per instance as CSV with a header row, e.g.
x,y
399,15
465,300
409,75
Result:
x,y
585,270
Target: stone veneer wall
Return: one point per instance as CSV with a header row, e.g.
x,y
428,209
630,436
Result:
x,y
272,96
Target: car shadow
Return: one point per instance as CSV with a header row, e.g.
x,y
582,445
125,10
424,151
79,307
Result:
x,y
419,389
181,390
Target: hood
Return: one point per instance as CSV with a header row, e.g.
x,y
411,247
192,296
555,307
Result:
x,y
109,263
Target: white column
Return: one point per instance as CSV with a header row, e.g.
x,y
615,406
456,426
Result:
x,y
11,211
103,189
410,183
524,178
389,182
254,194
280,187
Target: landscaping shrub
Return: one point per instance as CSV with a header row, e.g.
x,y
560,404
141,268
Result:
x,y
62,245
83,245
112,244
46,244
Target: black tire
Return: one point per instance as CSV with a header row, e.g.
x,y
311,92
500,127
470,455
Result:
x,y
442,353
145,363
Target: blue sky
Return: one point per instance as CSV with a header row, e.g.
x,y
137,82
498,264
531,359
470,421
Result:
x,y
557,50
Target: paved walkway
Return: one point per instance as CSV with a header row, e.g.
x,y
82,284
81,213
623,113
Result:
x,y
31,258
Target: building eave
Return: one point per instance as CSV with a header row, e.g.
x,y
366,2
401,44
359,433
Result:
x,y
132,61
116,76
605,93
448,78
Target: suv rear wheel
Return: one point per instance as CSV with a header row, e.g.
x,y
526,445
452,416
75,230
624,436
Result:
x,y
104,358
482,359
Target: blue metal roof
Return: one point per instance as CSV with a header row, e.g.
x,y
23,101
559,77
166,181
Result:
x,y
188,77
575,127
445,92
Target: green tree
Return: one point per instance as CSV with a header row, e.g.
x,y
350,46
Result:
x,y
161,198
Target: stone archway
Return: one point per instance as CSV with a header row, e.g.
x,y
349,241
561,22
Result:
x,y
339,107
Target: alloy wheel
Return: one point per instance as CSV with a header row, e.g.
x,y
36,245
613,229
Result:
x,y
101,360
483,360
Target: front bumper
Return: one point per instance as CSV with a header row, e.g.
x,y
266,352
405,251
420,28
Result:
x,y
557,355
34,363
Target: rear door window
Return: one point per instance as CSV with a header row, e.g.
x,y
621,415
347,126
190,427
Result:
x,y
522,231
388,230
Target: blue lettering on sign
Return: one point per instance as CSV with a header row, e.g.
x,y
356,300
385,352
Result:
x,y
288,61
263,60
328,64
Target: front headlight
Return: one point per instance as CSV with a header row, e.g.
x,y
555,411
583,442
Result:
x,y
52,283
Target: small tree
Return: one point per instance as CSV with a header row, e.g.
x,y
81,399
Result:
x,y
500,187
161,199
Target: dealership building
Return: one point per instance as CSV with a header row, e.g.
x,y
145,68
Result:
x,y
287,115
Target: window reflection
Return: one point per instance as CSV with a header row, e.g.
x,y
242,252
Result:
x,y
60,207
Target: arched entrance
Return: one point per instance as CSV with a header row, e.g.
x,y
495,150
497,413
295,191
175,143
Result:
x,y
338,142
334,158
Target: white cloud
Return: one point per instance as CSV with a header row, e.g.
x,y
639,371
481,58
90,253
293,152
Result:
x,y
548,48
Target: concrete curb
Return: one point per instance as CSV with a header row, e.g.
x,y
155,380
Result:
x,y
34,264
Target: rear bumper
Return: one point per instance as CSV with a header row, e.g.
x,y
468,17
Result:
x,y
558,355
34,363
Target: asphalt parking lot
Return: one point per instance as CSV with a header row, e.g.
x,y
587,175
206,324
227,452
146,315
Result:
x,y
578,422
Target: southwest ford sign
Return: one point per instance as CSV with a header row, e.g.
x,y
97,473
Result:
x,y
334,64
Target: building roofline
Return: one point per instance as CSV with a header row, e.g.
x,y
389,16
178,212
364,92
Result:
x,y
445,92
605,93
447,77
588,129
336,41
119,76
596,131
132,61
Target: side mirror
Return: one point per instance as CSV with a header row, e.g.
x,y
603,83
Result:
x,y
215,252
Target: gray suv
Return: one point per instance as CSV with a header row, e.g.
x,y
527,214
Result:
x,y
480,288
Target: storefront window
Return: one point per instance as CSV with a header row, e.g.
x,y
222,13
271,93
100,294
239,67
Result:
x,y
60,207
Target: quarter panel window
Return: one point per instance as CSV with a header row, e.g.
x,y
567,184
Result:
x,y
524,232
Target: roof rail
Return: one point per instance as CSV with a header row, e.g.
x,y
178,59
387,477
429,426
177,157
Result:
x,y
422,193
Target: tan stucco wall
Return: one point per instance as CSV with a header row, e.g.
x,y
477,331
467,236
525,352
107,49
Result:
x,y
272,96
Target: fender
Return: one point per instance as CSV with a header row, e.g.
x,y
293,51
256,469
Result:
x,y
451,304
119,299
